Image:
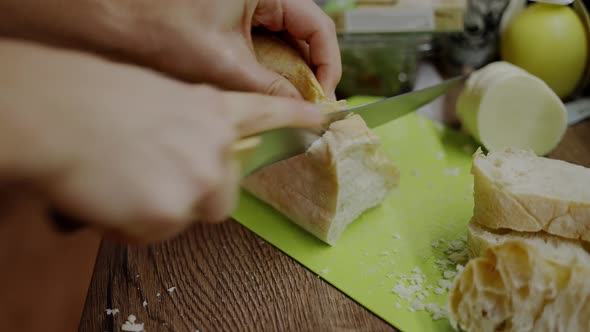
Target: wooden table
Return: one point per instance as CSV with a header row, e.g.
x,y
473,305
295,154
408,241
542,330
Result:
x,y
228,279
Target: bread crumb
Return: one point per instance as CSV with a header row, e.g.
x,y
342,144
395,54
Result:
x,y
171,289
442,263
144,304
130,325
459,257
452,171
444,284
417,305
158,295
112,311
137,276
456,245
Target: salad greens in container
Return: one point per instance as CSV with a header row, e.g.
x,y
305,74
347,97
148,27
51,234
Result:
x,y
380,64
376,63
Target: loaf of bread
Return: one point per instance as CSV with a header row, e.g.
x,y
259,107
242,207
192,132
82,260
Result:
x,y
342,174
529,268
517,190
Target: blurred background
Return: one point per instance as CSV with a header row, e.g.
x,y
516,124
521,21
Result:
x,y
390,46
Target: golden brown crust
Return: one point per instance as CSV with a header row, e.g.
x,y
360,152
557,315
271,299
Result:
x,y
322,190
281,58
502,203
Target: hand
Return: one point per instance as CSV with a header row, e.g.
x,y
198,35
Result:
x,y
196,40
134,153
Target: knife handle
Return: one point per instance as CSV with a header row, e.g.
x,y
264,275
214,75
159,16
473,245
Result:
x,y
245,147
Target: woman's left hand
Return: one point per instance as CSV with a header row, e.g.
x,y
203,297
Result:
x,y
204,41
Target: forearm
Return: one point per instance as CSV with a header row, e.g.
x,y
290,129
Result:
x,y
84,24
21,127
40,86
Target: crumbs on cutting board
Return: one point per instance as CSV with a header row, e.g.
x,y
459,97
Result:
x,y
452,171
415,290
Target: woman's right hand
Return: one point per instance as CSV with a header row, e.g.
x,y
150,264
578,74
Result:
x,y
134,153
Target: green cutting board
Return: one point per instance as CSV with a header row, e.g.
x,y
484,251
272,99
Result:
x,y
434,201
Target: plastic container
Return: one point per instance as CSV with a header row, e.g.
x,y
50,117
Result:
x,y
380,64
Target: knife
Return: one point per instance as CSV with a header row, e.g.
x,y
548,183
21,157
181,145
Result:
x,y
279,144
283,143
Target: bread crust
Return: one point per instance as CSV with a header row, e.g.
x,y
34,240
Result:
x,y
502,203
322,190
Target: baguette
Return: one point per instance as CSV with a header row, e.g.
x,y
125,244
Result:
x,y
566,251
342,174
517,190
518,286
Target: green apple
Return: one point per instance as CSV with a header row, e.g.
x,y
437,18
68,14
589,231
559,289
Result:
x,y
550,42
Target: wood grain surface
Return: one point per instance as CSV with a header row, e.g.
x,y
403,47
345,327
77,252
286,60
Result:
x,y
228,279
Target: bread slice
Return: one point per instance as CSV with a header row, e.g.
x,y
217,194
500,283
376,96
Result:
x,y
566,251
518,286
517,190
342,174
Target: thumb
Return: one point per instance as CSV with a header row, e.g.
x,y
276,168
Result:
x,y
260,79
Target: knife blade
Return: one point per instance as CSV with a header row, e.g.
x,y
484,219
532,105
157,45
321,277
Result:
x,y
283,143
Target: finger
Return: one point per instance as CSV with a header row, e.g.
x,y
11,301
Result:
x,y
237,68
306,21
258,78
217,205
255,77
253,113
